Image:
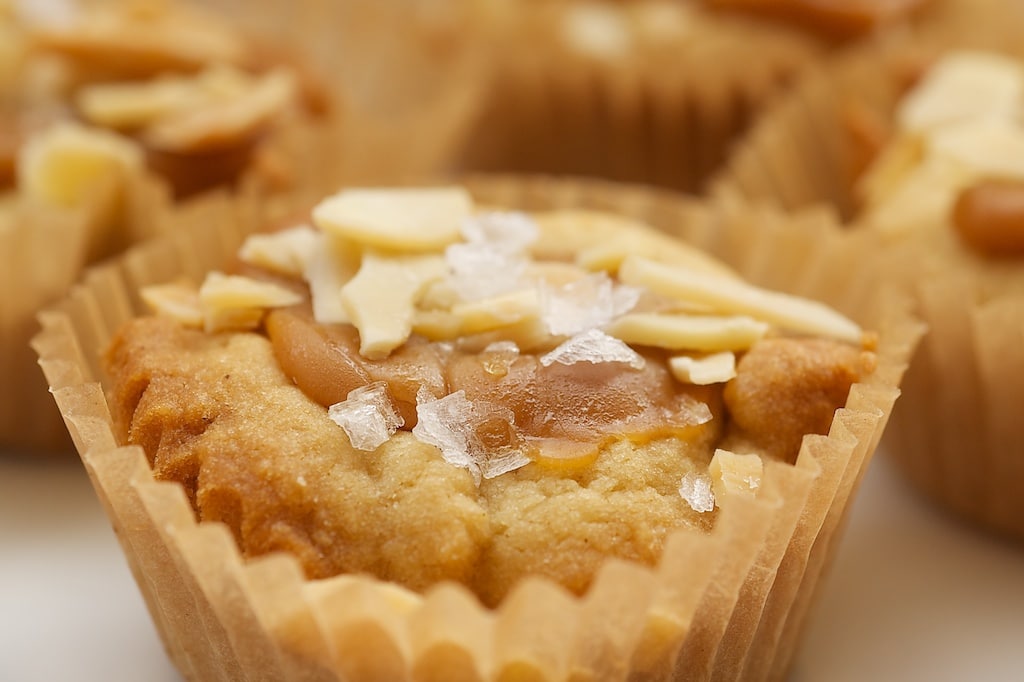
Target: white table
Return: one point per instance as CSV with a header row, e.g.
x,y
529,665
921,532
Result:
x,y
913,595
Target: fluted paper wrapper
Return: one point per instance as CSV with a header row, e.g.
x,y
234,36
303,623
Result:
x,y
957,434
718,605
663,115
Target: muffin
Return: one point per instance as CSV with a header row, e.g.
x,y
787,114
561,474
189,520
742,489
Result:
x,y
163,100
652,91
361,521
930,165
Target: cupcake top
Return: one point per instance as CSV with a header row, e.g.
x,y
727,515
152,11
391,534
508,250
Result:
x,y
951,171
187,91
412,387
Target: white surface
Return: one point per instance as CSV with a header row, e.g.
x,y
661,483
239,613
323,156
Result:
x,y
913,596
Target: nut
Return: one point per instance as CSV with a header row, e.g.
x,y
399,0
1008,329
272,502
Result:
x,y
989,217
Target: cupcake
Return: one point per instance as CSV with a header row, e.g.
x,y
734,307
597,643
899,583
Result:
x,y
481,431
652,91
164,100
937,178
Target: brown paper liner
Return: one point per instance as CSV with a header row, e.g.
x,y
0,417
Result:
x,y
719,605
662,112
956,434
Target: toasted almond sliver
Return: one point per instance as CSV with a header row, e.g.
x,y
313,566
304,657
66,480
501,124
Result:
x,y
61,164
131,105
287,252
398,220
332,264
228,122
735,297
237,302
716,368
177,300
381,298
499,311
734,474
688,332
964,85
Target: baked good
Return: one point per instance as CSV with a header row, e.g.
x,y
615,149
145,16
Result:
x,y
929,165
111,110
653,91
724,591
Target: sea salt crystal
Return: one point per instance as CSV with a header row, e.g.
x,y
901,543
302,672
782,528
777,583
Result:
x,y
453,424
507,231
493,258
593,346
695,488
589,302
497,357
480,271
367,416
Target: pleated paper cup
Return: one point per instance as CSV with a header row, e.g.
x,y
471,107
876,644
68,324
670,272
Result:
x,y
956,435
723,604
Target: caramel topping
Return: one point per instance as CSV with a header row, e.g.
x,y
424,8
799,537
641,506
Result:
x,y
989,217
324,361
564,412
838,19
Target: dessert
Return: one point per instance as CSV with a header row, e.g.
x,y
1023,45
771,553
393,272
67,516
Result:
x,y
654,91
656,510
939,183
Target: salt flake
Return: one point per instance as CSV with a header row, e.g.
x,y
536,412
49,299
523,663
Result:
x,y
593,346
506,231
695,488
367,415
464,432
589,302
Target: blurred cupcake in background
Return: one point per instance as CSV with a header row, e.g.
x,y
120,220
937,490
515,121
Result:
x,y
112,110
929,159
653,91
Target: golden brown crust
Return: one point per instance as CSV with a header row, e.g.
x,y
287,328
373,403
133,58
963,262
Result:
x,y
217,414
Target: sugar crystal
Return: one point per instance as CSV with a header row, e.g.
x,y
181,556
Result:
x,y
367,415
593,346
695,488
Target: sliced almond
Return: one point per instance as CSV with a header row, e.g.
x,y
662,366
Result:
x,y
332,264
228,122
177,300
737,297
287,252
500,311
964,85
734,474
61,164
236,302
688,332
716,368
396,219
381,299
133,105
